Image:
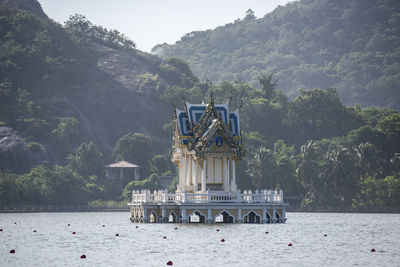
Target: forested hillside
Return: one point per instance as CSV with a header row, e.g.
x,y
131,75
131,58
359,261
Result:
x,y
352,45
68,93
61,86
77,96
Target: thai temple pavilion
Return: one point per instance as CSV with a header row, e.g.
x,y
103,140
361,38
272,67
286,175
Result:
x,y
207,146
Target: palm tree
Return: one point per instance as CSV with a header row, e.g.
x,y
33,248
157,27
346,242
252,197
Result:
x,y
368,160
308,168
262,168
338,174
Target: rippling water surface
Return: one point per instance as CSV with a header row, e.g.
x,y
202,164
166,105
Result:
x,y
349,240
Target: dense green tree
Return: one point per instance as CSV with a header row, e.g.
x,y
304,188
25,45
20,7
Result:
x,y
160,164
268,85
87,160
135,148
318,114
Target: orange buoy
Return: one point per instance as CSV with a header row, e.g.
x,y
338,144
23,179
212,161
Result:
x,y
373,250
170,263
12,251
73,233
290,244
116,234
164,237
222,240
83,256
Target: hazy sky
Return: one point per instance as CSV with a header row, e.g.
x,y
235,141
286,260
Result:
x,y
151,22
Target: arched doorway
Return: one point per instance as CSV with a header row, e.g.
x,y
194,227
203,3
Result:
x,y
251,217
153,217
224,217
172,218
197,217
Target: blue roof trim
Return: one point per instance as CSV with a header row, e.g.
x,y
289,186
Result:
x,y
195,113
234,124
184,124
223,112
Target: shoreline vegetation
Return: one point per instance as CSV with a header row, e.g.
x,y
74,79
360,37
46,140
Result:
x,y
119,208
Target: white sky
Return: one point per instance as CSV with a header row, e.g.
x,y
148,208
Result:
x,y
152,22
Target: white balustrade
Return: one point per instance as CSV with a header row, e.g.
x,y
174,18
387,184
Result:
x,y
162,196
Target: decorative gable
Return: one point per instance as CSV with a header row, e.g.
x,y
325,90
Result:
x,y
207,128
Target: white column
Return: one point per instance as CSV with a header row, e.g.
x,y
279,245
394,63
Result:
x,y
204,176
224,171
228,165
196,178
233,175
189,170
182,170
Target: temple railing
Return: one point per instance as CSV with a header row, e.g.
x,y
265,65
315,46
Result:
x,y
162,196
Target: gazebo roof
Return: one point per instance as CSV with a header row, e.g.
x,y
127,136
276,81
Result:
x,y
122,164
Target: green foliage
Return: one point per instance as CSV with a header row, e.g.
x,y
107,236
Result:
x,y
87,160
174,183
135,148
34,147
306,44
39,60
160,164
109,204
379,192
270,169
46,184
150,183
67,129
82,28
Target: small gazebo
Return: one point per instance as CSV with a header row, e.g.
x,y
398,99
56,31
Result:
x,y
122,170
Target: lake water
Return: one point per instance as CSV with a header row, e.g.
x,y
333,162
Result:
x,y
349,240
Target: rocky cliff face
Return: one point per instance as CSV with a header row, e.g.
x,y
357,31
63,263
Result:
x,y
18,155
32,6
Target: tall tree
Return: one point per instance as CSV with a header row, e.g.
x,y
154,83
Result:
x,y
268,85
135,148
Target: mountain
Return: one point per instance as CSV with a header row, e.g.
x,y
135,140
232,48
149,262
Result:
x,y
32,6
352,45
61,86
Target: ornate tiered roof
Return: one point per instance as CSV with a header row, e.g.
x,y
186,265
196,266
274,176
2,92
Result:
x,y
208,128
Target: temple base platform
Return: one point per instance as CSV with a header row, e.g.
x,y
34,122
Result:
x,y
208,207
